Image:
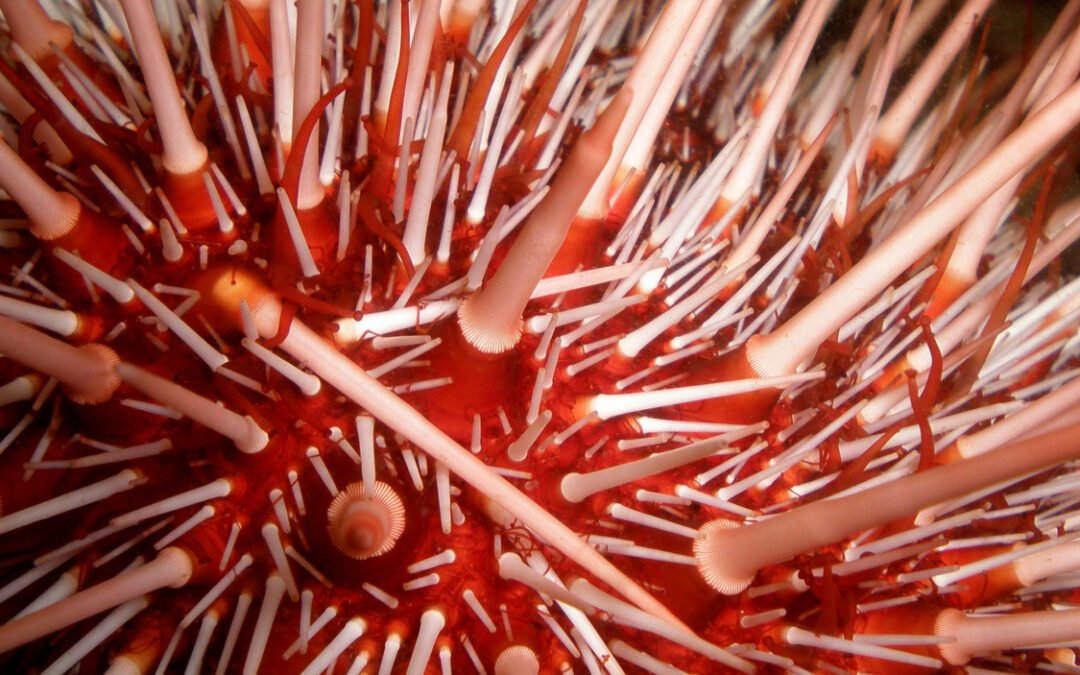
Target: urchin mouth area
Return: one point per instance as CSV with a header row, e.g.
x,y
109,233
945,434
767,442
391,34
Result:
x,y
225,288
107,381
717,561
488,334
946,625
517,660
61,226
362,525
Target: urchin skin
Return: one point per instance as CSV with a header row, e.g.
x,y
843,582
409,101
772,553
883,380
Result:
x,y
247,435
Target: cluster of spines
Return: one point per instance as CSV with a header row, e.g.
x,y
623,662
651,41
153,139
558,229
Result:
x,y
608,191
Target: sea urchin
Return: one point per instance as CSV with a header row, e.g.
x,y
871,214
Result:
x,y
582,335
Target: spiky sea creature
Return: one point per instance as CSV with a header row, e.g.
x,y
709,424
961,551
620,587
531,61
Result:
x,y
690,336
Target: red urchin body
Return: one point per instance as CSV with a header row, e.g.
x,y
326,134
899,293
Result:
x,y
239,453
